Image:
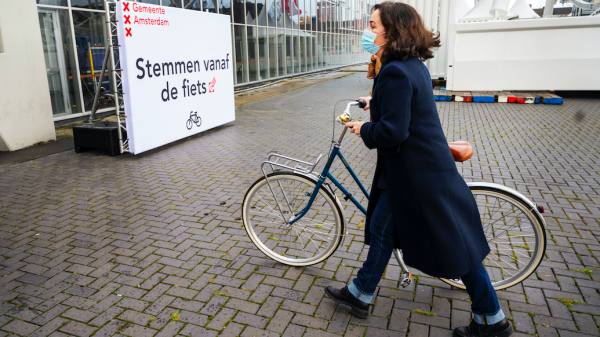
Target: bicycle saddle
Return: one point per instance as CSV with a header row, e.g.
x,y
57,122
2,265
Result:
x,y
461,150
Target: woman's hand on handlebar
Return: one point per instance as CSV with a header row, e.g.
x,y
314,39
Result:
x,y
355,127
368,101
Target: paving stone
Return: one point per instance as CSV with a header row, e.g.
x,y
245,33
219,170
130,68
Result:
x,y
221,319
192,330
134,242
49,327
254,332
416,330
522,322
135,317
252,320
79,315
442,322
339,322
20,328
280,321
213,305
77,329
232,330
136,330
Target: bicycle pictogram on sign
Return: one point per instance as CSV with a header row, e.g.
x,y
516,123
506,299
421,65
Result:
x,y
194,119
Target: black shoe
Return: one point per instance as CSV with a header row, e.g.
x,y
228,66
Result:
x,y
500,329
344,296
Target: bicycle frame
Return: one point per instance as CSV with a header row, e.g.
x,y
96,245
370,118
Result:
x,y
326,174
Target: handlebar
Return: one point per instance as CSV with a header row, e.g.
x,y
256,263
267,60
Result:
x,y
346,116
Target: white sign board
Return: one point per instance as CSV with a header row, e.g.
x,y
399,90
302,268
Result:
x,y
177,72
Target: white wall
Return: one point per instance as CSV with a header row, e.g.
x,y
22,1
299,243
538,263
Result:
x,y
535,54
25,108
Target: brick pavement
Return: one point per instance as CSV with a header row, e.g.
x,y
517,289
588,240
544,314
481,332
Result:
x,y
153,245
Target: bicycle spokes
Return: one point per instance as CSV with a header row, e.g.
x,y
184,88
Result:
x,y
510,236
271,209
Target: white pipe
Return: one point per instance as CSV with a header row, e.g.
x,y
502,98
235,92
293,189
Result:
x,y
549,9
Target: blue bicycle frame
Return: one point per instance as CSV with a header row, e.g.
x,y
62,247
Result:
x,y
326,174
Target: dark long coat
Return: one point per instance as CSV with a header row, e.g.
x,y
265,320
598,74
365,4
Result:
x,y
437,223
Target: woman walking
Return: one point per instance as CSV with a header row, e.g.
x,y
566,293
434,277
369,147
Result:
x,y
419,202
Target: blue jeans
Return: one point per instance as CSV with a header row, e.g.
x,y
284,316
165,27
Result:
x,y
485,306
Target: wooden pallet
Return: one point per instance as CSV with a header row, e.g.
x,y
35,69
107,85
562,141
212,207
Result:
x,y
548,98
483,97
442,95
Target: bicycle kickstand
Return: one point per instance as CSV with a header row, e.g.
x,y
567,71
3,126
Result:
x,y
405,276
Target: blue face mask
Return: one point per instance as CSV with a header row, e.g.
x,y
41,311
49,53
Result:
x,y
368,41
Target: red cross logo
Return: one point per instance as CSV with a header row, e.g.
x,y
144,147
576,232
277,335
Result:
x,y
125,7
127,21
128,30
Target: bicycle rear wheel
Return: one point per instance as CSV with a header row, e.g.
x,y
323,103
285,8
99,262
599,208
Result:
x,y
309,240
515,232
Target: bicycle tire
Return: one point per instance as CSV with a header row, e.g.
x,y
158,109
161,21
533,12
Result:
x,y
188,124
198,121
269,245
495,265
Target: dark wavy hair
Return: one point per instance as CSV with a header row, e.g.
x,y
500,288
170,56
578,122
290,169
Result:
x,y
406,34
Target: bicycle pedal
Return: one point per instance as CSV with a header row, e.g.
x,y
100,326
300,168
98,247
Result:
x,y
405,280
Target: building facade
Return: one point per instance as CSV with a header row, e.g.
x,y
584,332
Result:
x,y
271,39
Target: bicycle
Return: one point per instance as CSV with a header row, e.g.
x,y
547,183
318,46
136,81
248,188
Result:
x,y
294,217
194,118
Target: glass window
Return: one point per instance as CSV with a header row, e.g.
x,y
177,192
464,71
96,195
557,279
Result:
x,y
303,12
273,52
90,39
309,39
251,12
313,15
287,13
263,52
240,54
60,60
209,6
281,51
314,49
296,42
271,13
294,13
91,4
329,16
239,14
252,65
326,50
52,2
172,3
288,51
192,4
303,52
224,7
152,2
334,50
261,9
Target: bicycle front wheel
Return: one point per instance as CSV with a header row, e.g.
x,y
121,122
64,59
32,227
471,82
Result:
x,y
311,239
515,233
